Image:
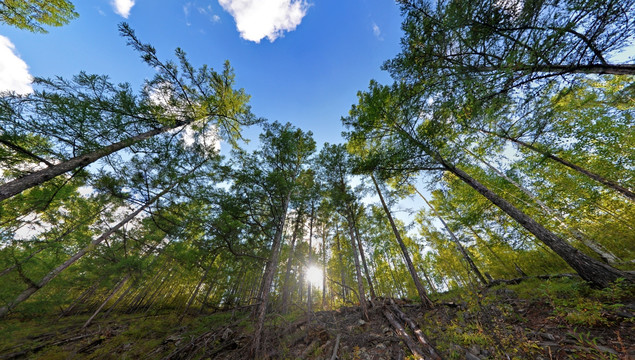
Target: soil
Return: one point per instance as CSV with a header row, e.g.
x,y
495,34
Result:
x,y
493,324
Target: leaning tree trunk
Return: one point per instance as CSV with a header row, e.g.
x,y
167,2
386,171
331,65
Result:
x,y
425,300
270,270
118,287
198,287
286,286
629,194
20,184
51,275
587,267
456,241
323,268
360,279
362,255
309,297
341,261
56,240
602,252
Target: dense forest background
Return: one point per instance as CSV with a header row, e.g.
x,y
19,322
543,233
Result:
x,y
510,122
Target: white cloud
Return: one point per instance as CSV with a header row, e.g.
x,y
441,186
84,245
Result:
x,y
122,7
14,73
377,32
257,19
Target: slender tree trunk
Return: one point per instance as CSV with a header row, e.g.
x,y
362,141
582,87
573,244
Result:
x,y
456,241
56,240
270,270
309,299
286,285
390,264
602,252
358,271
587,267
18,185
198,287
425,300
323,268
342,272
120,298
87,293
430,283
598,69
121,283
482,241
629,194
362,255
51,275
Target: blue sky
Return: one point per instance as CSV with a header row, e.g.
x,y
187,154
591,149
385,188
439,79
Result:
x,y
301,61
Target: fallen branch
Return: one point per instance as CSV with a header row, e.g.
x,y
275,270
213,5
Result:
x,y
314,344
434,355
337,345
523,278
414,349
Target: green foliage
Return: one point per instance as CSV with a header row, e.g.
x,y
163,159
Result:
x,y
33,15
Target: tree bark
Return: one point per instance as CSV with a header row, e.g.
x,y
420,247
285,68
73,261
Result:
x,y
425,300
589,269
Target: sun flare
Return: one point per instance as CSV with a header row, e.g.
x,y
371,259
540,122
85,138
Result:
x,y
314,275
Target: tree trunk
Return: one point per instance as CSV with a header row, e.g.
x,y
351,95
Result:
x,y
588,268
87,293
286,285
430,283
362,255
309,299
18,185
339,255
198,287
121,283
602,252
51,275
270,270
57,239
360,279
456,241
425,300
609,183
323,268
597,69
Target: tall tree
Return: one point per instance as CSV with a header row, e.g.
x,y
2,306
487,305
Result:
x,y
393,117
411,268
274,170
86,114
334,169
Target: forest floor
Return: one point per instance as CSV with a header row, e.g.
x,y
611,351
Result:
x,y
535,319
